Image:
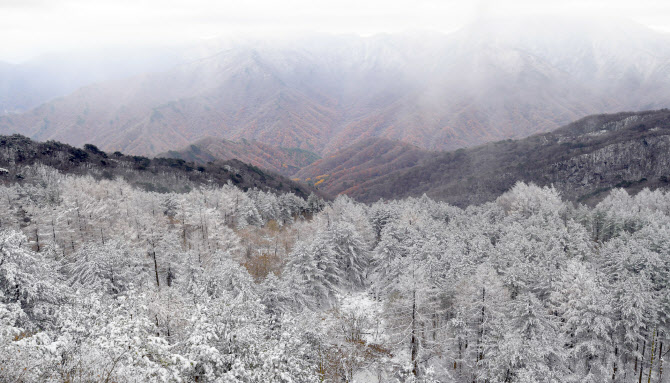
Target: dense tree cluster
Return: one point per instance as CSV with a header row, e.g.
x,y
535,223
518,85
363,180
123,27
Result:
x,y
104,282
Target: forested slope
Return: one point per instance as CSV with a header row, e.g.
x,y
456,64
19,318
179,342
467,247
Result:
x,y
157,174
342,172
100,280
285,161
583,160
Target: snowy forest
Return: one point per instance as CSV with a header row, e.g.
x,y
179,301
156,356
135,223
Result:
x,y
104,282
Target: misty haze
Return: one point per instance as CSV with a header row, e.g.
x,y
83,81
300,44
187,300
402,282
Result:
x,y
314,191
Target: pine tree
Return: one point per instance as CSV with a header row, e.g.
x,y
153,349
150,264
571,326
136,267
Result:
x,y
586,313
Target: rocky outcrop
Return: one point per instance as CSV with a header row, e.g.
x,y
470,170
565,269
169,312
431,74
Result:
x,y
644,161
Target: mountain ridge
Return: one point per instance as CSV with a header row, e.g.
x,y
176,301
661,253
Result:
x,y
439,92
583,160
158,174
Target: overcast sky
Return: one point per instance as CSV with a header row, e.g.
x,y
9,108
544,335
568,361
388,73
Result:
x,y
32,27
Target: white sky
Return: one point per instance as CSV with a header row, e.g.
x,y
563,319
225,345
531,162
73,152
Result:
x,y
32,27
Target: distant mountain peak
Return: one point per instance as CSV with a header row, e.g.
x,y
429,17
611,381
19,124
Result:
x,y
322,93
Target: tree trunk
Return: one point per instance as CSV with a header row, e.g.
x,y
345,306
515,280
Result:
x,y
616,353
480,349
637,347
653,350
644,346
414,346
460,358
158,283
183,223
660,363
37,237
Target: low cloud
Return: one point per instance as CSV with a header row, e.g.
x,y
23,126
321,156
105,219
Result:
x,y
32,27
